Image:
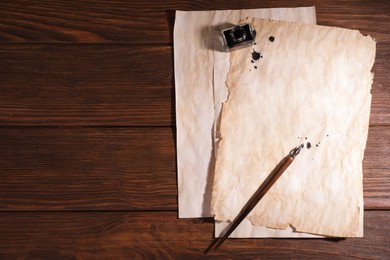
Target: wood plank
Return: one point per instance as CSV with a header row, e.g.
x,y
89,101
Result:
x,y
376,169
123,169
150,235
140,22
380,103
111,85
87,168
86,85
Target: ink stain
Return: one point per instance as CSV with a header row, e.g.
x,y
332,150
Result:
x,y
271,39
256,55
255,67
308,145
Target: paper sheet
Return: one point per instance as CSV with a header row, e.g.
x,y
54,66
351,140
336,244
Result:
x,y
312,86
199,71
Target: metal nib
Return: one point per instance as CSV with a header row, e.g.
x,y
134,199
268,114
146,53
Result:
x,y
294,152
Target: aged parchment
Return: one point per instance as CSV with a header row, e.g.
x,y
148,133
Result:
x,y
200,74
311,85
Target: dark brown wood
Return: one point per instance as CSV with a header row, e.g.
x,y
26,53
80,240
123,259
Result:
x,y
152,22
86,85
68,67
149,235
376,169
380,107
46,168
87,169
111,85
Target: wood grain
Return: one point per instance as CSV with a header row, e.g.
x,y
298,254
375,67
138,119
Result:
x,y
87,169
152,22
150,235
85,173
86,85
376,169
111,85
44,168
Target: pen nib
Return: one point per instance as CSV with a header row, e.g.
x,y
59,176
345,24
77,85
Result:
x,y
294,152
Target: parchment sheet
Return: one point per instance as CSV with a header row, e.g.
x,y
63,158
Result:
x,y
196,79
312,86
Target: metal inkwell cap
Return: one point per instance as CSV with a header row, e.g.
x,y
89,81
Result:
x,y
238,36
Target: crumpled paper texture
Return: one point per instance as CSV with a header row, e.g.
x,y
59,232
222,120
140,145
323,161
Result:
x,y
311,85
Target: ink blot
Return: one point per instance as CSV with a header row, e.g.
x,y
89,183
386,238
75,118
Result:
x,y
271,39
255,67
256,55
308,145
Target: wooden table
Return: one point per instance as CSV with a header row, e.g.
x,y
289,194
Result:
x,y
87,133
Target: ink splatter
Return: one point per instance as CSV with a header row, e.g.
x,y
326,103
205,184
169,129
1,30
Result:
x,y
308,145
256,55
271,39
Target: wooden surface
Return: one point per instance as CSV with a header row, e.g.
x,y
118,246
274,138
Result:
x,y
87,134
